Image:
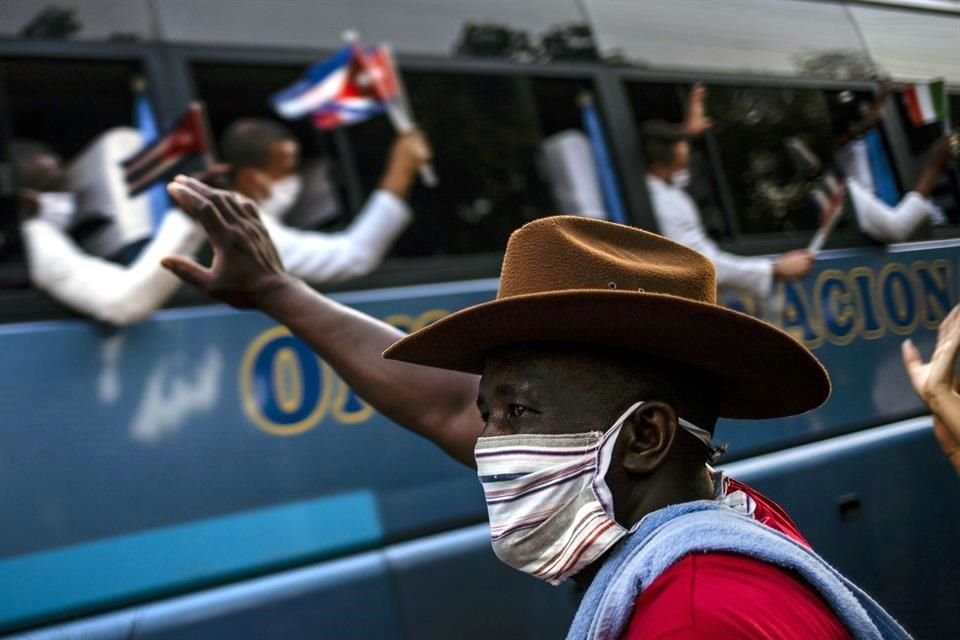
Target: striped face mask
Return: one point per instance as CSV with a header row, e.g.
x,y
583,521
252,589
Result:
x,y
551,512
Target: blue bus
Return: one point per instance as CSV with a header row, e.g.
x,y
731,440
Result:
x,y
204,475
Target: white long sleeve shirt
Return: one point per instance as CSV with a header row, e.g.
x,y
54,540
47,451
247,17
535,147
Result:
x,y
679,220
122,295
875,217
357,250
884,223
109,292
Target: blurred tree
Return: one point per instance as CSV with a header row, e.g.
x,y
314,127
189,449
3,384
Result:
x,y
838,65
52,23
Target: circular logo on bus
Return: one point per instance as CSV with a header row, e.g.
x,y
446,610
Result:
x,y
283,385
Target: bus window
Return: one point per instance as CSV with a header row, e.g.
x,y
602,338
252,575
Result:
x,y
63,104
486,132
233,91
661,101
751,124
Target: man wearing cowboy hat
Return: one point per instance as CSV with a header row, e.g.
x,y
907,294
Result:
x,y
605,362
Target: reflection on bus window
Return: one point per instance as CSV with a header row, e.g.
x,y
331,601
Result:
x,y
414,26
751,125
78,19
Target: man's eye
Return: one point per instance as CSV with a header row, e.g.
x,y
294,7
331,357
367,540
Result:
x,y
516,410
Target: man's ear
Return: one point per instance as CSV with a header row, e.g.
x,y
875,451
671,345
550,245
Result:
x,y
647,436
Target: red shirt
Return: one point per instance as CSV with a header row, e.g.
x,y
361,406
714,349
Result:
x,y
724,595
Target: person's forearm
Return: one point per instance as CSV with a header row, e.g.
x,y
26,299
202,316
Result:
x,y
321,258
398,179
105,291
434,403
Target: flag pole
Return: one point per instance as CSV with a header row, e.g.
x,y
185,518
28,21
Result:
x,y
835,212
401,116
601,158
203,124
398,110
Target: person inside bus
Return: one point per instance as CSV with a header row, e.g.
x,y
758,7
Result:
x,y
937,385
106,287
605,364
265,158
666,150
877,219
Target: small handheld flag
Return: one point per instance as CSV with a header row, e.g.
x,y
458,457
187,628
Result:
x,y
354,84
331,92
168,155
370,88
828,197
927,103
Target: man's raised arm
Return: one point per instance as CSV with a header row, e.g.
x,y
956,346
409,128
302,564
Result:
x,y
247,273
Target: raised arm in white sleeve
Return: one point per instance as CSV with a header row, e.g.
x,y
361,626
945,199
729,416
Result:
x,y
679,220
888,224
357,250
118,294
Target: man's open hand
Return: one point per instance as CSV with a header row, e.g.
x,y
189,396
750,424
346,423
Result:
x,y
246,268
934,382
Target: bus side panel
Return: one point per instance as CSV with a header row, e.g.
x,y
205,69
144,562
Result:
x,y
853,312
449,585
344,599
453,586
882,507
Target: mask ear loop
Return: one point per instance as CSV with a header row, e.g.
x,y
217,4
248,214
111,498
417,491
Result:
x,y
704,436
715,452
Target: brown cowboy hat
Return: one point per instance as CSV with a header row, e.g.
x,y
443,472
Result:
x,y
571,279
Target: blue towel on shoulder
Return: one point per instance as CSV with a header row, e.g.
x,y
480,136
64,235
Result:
x,y
667,535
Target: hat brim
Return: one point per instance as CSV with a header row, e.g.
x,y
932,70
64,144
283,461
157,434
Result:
x,y
763,371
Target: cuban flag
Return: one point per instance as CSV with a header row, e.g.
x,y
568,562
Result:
x,y
355,84
166,156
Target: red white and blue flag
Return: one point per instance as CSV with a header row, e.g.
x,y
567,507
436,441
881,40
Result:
x,y
354,84
169,154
